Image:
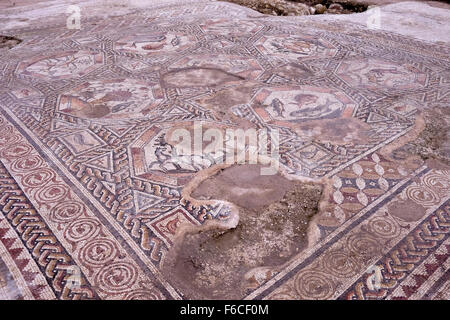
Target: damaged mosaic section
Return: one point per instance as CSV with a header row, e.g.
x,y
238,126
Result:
x,y
214,261
432,144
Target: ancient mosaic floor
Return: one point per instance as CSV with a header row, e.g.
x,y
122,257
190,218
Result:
x,y
87,188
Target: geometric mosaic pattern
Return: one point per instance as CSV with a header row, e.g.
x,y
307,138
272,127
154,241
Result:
x,y
85,187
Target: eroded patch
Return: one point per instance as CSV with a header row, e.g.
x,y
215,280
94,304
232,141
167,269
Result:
x,y
198,77
9,42
222,100
226,98
337,131
432,143
274,214
407,210
244,186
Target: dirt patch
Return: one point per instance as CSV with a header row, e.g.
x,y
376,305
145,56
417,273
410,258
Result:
x,y
94,111
433,143
337,131
244,186
8,42
223,99
198,77
294,71
407,210
274,214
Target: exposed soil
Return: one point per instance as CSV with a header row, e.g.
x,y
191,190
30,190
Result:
x,y
8,42
407,210
244,186
223,99
337,131
433,143
198,77
274,214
